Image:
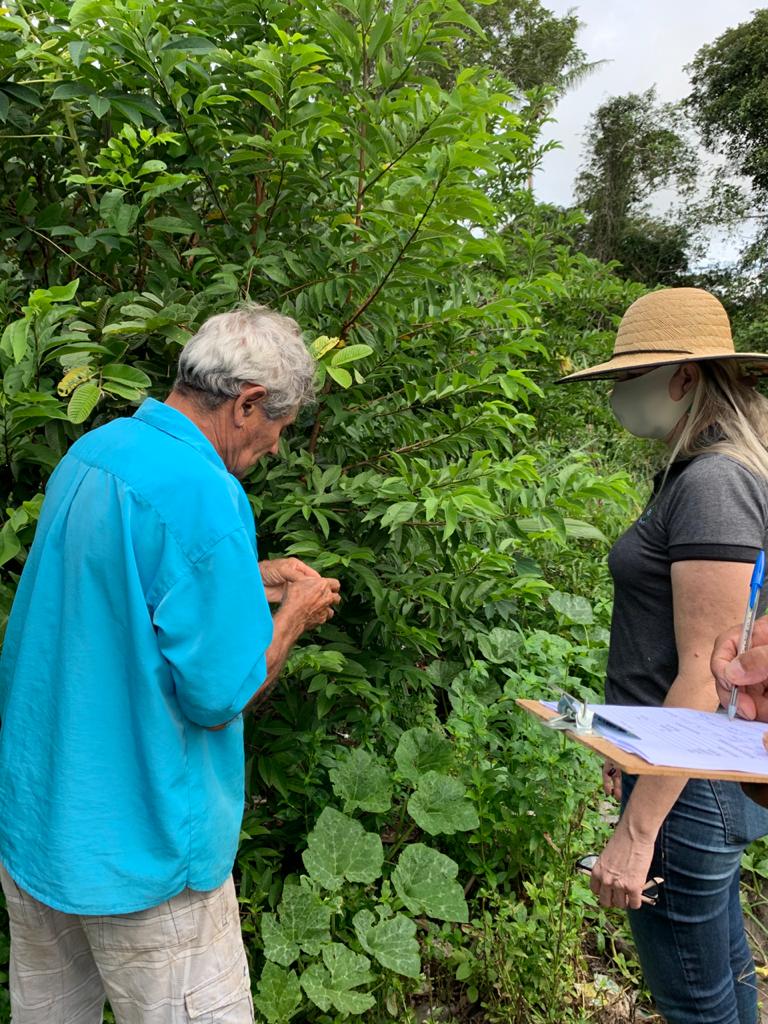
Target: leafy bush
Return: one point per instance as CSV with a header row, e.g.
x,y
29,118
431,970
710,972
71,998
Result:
x,y
159,169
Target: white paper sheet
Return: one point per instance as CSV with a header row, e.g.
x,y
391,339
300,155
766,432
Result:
x,y
683,738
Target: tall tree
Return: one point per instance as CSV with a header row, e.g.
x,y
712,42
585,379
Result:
x,y
729,99
526,43
636,146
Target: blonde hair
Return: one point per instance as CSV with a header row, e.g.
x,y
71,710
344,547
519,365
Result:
x,y
727,416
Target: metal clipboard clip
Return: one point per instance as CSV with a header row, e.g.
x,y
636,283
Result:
x,y
572,714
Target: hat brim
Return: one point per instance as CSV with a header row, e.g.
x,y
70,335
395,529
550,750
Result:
x,y
642,361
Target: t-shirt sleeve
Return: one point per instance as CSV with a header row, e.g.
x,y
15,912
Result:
x,y
213,627
717,512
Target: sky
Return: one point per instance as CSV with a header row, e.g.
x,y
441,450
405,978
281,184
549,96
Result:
x,y
647,42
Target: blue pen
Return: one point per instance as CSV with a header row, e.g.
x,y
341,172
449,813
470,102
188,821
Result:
x,y
755,586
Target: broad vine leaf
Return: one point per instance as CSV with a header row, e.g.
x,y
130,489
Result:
x,y
303,925
359,780
333,984
338,847
500,646
572,607
441,806
279,994
392,942
425,881
421,750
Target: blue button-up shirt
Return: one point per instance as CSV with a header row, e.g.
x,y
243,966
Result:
x,y
140,622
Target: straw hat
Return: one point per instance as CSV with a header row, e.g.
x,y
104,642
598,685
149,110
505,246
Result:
x,y
674,325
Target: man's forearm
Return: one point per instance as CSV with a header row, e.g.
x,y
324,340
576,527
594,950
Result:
x,y
287,630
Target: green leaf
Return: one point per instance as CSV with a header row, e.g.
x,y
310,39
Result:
x,y
398,513
572,607
83,402
350,354
124,392
333,984
338,847
190,44
422,750
83,11
580,530
5,104
322,344
61,292
392,942
171,225
99,105
14,340
501,646
70,91
425,881
340,375
23,94
10,545
77,51
279,994
380,33
303,925
360,781
440,806
126,375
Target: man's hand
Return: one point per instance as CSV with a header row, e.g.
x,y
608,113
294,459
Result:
x,y
748,671
278,572
310,602
307,602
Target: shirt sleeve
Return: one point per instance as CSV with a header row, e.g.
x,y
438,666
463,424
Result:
x,y
718,512
213,627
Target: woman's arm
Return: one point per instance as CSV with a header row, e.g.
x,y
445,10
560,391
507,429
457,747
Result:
x,y
707,596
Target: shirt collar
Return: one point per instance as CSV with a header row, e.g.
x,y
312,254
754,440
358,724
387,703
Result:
x,y
171,421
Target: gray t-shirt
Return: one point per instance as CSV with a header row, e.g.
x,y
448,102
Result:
x,y
710,508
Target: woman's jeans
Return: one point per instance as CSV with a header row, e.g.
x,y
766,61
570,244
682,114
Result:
x,y
692,944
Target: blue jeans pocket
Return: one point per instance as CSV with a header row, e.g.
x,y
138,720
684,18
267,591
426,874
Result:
x,y
743,819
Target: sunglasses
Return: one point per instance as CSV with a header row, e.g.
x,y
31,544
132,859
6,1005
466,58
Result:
x,y
650,889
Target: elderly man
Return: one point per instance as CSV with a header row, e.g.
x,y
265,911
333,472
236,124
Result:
x,y
139,635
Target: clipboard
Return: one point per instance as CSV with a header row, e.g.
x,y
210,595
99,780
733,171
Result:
x,y
631,763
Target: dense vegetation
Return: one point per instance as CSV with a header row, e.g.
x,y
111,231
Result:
x,y
409,835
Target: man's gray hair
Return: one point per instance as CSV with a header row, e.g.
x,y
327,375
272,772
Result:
x,y
249,345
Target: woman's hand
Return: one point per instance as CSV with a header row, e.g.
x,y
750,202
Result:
x,y
612,779
621,872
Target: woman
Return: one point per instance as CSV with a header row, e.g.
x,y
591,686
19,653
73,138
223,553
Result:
x,y
681,575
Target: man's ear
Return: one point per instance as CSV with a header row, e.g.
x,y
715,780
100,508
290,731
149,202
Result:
x,y
247,402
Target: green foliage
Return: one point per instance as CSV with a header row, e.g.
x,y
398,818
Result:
x,y
636,145
158,169
728,101
525,43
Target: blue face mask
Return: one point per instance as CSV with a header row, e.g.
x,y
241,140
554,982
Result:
x,y
642,405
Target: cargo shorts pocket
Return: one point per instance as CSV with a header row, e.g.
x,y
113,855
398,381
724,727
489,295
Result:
x,y
223,999
172,923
